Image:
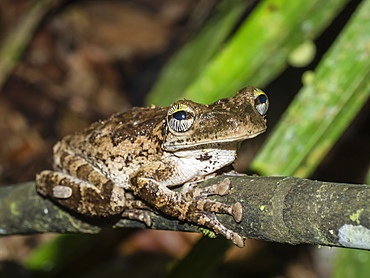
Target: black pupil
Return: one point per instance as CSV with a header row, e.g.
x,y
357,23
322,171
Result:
x,y
179,115
262,98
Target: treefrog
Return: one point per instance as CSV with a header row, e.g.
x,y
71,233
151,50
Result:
x,y
147,151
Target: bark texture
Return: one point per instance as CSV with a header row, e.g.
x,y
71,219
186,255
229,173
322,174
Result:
x,y
279,209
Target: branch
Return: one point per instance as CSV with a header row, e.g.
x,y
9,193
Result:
x,y
279,209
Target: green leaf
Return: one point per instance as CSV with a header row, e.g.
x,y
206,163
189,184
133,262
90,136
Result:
x,y
324,107
259,50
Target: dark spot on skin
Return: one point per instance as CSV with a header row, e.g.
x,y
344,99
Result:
x,y
63,157
158,149
83,172
93,137
116,140
99,156
128,159
63,181
204,157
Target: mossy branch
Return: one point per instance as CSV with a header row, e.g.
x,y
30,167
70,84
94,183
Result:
x,y
278,209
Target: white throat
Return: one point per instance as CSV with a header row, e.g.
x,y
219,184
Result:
x,y
190,164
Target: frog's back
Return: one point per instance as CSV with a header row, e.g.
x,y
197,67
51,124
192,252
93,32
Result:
x,y
122,143
138,124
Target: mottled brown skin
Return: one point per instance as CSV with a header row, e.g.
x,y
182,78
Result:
x,y
147,150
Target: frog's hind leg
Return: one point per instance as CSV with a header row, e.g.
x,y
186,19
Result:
x,y
81,188
87,199
81,196
137,214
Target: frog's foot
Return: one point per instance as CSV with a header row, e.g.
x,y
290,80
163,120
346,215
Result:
x,y
206,205
137,210
210,220
137,214
221,188
202,211
192,206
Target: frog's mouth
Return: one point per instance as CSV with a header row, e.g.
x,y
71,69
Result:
x,y
179,143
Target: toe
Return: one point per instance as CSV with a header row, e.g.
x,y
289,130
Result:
x,y
237,212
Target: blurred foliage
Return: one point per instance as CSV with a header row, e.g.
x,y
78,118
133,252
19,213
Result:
x,y
325,106
57,252
12,48
203,258
187,65
254,55
351,263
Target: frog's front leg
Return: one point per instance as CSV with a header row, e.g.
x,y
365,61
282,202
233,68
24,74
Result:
x,y
191,205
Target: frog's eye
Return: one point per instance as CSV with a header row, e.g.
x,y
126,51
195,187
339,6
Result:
x,y
180,117
261,101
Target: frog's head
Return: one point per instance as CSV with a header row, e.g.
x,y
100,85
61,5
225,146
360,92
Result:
x,y
230,120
